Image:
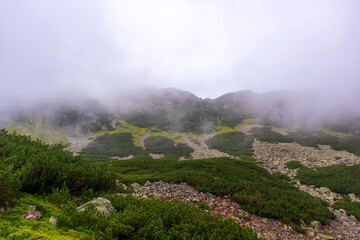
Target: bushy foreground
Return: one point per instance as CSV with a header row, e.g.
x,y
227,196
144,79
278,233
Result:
x,y
56,179
34,167
14,227
251,186
134,218
139,218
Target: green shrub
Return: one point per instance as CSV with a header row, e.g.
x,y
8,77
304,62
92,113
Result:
x,y
10,180
351,208
299,229
265,134
282,176
253,187
293,164
60,196
121,145
164,145
339,178
35,167
40,207
153,219
233,143
202,206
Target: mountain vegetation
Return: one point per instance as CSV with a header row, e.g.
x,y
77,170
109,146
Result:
x,y
55,177
339,178
310,138
162,122
120,145
137,218
233,143
253,187
164,145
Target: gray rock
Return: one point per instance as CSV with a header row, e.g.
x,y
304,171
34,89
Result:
x,y
33,214
315,224
323,236
101,204
122,194
53,221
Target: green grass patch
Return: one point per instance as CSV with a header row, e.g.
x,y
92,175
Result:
x,y
40,129
233,143
339,178
334,133
253,187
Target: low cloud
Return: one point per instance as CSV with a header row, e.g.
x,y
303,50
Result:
x,y
54,48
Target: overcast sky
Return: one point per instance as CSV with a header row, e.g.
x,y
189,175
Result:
x,y
50,47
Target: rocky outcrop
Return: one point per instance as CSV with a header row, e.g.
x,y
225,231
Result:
x,y
101,204
156,156
323,193
77,144
32,214
123,158
275,155
247,128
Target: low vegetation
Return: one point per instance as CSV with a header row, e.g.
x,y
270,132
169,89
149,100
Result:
x,y
34,167
233,143
293,164
53,178
163,145
251,186
137,218
14,227
339,178
120,145
310,138
351,208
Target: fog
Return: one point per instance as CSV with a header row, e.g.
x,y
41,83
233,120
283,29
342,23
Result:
x,y
51,49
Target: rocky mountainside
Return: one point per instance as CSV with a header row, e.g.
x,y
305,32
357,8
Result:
x,y
62,119
181,111
177,110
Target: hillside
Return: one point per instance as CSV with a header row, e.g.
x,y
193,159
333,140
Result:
x,y
249,157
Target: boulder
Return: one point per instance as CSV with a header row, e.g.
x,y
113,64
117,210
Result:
x,y
315,224
53,221
324,236
32,214
101,204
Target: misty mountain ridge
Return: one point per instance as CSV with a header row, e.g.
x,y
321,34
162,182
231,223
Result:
x,y
170,109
